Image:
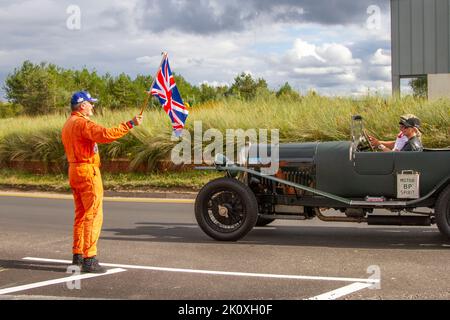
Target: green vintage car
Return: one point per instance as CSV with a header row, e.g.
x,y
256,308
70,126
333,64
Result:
x,y
312,177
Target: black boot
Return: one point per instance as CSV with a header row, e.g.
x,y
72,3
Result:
x,y
77,260
91,265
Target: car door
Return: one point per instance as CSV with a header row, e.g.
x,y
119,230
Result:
x,y
364,174
375,172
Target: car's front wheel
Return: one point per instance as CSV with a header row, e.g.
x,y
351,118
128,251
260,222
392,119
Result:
x,y
442,212
226,209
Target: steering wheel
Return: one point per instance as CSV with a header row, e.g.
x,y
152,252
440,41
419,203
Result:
x,y
366,136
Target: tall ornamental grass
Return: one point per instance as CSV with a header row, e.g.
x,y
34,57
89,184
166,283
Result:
x,y
310,118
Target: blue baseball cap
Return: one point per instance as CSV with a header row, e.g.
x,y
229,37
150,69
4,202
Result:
x,y
82,96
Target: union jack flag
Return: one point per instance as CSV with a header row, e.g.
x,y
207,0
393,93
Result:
x,y
166,90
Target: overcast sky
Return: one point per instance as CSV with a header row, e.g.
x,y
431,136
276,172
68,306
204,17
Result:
x,y
337,47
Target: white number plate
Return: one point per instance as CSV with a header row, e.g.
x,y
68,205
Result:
x,y
408,185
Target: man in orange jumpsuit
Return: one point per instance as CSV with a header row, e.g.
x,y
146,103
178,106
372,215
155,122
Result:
x,y
80,136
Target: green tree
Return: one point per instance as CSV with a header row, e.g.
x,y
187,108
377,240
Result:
x,y
123,92
247,88
141,85
63,86
420,87
44,88
33,87
210,93
286,92
243,87
9,110
207,93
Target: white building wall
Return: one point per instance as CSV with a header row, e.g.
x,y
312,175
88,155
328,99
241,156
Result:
x,y
438,86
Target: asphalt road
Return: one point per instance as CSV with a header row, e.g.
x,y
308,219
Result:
x,y
156,251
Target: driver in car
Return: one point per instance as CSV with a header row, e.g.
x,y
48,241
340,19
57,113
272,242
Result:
x,y
407,140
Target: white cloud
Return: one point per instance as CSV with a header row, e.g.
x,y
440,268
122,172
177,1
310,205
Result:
x,y
288,10
325,65
317,71
381,58
303,51
152,61
337,54
378,67
380,72
215,84
378,87
31,12
332,58
307,55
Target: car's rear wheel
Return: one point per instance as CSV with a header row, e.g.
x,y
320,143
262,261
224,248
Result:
x,y
442,212
261,222
226,209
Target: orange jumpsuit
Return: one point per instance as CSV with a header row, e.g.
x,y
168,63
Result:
x,y
80,137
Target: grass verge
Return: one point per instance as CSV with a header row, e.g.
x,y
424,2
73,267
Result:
x,y
311,118
174,181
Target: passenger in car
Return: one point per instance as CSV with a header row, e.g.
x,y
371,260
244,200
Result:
x,y
409,138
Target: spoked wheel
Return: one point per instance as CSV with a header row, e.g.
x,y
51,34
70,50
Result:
x,y
442,212
226,209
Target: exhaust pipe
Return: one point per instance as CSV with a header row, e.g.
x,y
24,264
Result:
x,y
375,220
338,218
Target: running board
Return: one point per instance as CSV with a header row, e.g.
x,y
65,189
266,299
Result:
x,y
282,216
377,220
379,204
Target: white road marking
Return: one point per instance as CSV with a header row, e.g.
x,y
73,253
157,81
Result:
x,y
56,281
223,273
38,297
338,293
107,199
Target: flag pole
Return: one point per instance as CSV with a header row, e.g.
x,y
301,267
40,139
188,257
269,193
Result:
x,y
164,54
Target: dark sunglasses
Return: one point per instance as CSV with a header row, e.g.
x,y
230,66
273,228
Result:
x,y
91,103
